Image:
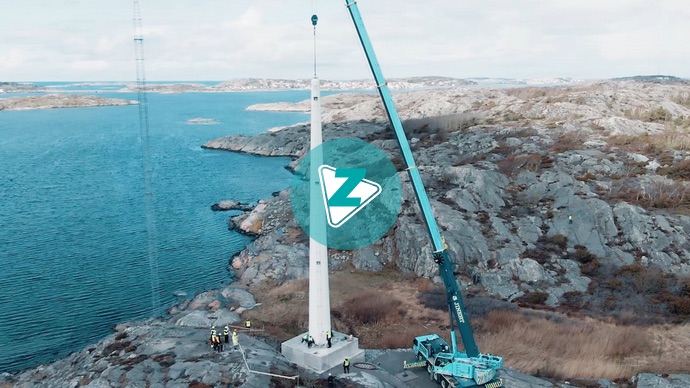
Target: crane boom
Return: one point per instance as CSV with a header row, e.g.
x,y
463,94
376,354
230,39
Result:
x,y
441,255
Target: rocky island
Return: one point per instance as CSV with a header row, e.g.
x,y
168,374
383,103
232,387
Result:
x,y
52,101
398,84
566,211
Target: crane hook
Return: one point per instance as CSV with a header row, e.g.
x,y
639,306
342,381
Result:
x,y
314,19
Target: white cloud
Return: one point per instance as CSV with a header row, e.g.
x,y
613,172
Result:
x,y
220,39
11,60
89,66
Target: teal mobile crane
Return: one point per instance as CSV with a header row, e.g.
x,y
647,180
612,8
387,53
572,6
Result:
x,y
446,365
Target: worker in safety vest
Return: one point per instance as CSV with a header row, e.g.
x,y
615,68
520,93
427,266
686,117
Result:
x,y
247,324
235,339
213,332
226,333
346,365
214,342
219,346
329,335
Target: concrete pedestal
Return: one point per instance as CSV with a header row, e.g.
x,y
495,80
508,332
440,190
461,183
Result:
x,y
322,358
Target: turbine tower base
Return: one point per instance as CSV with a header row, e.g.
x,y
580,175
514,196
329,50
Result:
x,y
320,358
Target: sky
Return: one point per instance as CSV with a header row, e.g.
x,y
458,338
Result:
x,y
89,40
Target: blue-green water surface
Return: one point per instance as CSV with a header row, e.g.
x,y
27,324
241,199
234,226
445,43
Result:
x,y
73,237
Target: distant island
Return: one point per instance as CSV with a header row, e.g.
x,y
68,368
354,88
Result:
x,y
270,84
51,101
659,79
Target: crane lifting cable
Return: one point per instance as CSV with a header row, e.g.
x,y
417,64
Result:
x,y
149,194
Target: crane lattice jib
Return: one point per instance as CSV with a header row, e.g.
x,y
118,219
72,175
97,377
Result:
x,y
441,255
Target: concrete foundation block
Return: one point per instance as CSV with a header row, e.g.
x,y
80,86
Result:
x,y
322,358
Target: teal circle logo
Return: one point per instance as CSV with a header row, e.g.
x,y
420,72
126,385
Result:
x,y
345,194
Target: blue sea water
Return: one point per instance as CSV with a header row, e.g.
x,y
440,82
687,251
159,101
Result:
x,y
73,238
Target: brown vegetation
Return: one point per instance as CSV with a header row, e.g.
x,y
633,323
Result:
x,y
651,144
513,164
398,308
554,346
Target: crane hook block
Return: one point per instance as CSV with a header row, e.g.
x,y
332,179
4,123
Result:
x,y
314,19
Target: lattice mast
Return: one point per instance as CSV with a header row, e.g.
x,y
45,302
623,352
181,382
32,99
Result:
x,y
149,193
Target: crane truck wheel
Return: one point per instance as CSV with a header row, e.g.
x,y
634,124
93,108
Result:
x,y
430,369
420,357
444,383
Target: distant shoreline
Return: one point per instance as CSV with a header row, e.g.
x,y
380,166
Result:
x,y
54,101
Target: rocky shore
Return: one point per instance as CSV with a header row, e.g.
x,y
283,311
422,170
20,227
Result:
x,y
506,177
52,101
545,196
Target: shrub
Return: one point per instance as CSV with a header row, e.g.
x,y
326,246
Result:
x,y
581,255
650,281
513,164
481,307
630,269
369,307
614,284
533,298
591,268
679,306
679,170
568,142
658,115
682,99
664,194
559,240
434,298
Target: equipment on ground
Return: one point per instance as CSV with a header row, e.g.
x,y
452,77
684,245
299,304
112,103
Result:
x,y
446,364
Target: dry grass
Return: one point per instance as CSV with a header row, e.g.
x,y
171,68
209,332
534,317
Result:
x,y
554,93
657,193
682,99
676,170
548,344
652,143
568,348
290,287
569,141
371,307
514,164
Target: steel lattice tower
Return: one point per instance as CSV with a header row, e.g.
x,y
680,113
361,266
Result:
x,y
149,193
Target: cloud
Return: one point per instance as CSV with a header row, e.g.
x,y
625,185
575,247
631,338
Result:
x,y
12,59
89,66
219,39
